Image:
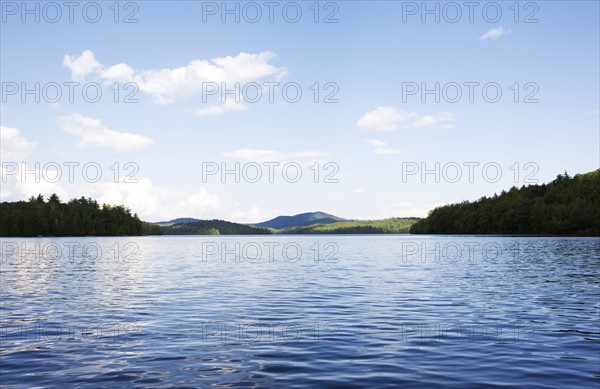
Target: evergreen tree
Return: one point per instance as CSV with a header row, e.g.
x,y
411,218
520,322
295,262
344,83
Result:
x,y
78,217
566,206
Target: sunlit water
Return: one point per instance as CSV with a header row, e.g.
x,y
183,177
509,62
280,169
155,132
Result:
x,y
326,311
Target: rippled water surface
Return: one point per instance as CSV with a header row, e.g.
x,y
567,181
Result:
x,y
289,311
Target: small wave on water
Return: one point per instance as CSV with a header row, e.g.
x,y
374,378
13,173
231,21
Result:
x,y
380,314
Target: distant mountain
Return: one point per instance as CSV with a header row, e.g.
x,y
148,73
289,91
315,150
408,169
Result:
x,y
300,220
181,220
212,227
304,223
393,225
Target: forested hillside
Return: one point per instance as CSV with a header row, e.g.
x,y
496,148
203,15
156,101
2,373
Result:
x,y
213,227
385,226
565,206
78,217
283,223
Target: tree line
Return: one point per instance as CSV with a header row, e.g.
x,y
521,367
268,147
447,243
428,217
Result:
x,y
384,226
566,206
78,217
213,227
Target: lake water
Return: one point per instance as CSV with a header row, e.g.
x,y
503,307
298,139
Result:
x,y
300,311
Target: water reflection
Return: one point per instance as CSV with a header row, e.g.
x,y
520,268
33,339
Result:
x,y
327,310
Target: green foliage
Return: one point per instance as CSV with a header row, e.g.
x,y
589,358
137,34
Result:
x,y
384,226
220,227
283,223
213,227
566,206
78,217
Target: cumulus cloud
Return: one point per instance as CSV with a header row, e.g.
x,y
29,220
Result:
x,y
391,119
253,215
169,85
407,209
442,120
93,134
15,187
382,148
154,202
14,146
83,65
151,202
118,73
383,119
494,33
201,201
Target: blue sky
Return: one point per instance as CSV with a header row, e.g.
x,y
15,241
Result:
x,y
178,50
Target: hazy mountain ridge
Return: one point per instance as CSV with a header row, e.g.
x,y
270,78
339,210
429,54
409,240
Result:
x,y
213,227
299,220
181,220
279,224
304,223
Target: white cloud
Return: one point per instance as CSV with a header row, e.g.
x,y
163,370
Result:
x,y
93,134
169,85
383,119
201,202
15,189
382,148
407,209
18,186
442,120
253,215
390,119
13,146
494,33
149,201
156,203
359,190
83,65
119,73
